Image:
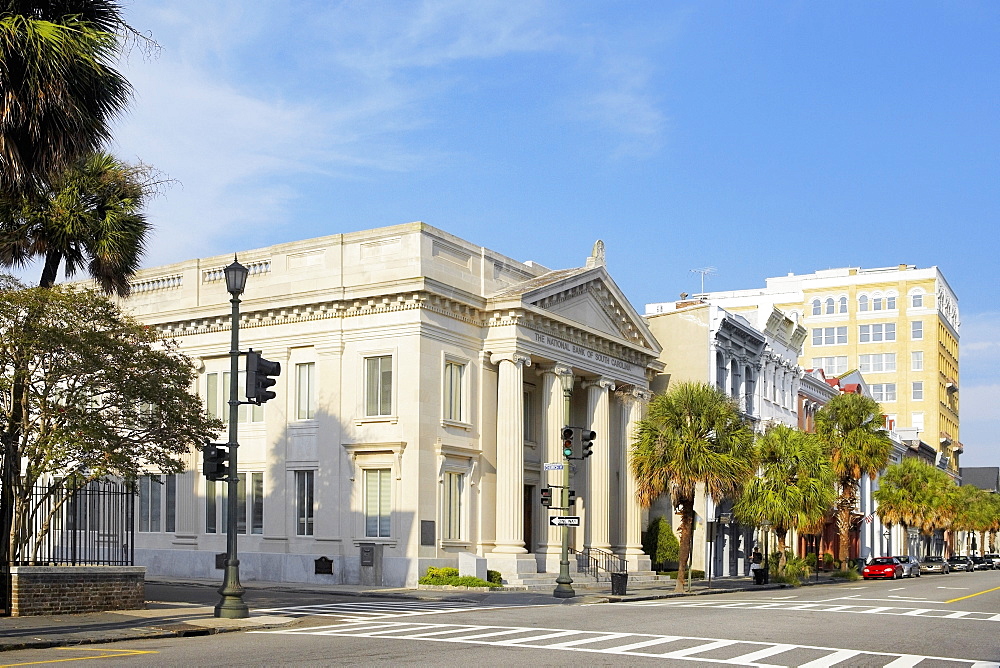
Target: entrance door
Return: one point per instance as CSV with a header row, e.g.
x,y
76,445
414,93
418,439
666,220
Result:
x,y
529,506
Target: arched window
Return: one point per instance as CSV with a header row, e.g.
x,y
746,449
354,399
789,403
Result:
x,y
863,303
843,304
748,390
817,309
890,302
829,305
876,303
917,300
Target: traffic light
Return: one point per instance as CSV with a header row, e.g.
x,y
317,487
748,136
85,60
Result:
x,y
571,442
587,443
215,461
546,493
259,372
572,496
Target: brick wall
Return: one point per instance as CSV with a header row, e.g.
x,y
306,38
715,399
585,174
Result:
x,y
50,590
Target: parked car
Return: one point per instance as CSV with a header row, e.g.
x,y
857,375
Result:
x,y
911,567
883,567
961,563
982,564
995,558
935,564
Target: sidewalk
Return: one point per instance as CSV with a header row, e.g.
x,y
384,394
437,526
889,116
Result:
x,y
171,619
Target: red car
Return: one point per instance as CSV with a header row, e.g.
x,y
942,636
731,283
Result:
x,y
883,567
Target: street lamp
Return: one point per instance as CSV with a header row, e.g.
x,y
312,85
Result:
x,y
564,583
232,606
765,526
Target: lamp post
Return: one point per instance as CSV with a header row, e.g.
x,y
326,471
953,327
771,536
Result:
x,y
564,583
232,606
765,526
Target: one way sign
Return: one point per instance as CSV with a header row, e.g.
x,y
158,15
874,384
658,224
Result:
x,y
567,521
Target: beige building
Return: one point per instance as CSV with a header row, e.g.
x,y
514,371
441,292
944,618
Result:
x,y
899,326
420,397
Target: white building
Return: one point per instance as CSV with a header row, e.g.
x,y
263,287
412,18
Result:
x,y
419,398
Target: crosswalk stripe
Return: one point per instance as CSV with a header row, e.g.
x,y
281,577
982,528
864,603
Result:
x,y
831,659
682,653
622,649
821,607
645,645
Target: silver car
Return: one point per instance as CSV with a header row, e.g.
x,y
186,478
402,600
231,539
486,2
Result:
x,y
911,567
934,564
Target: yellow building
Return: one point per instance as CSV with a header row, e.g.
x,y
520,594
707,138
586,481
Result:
x,y
898,325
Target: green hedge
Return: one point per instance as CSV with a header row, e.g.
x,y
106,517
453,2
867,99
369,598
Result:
x,y
450,576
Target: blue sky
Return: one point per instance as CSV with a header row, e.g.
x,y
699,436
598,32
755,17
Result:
x,y
756,137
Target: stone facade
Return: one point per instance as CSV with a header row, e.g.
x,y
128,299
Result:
x,y
420,396
53,590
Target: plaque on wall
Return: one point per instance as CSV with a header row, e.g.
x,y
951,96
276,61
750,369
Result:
x,y
324,566
427,535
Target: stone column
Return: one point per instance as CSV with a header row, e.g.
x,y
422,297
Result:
x,y
510,453
631,516
553,420
599,484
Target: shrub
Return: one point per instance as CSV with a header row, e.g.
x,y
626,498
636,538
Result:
x,y
692,574
827,560
849,574
494,577
811,560
450,576
661,544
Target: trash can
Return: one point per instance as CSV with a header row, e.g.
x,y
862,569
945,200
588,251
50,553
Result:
x,y
619,583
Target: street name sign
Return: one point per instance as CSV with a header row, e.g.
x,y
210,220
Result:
x,y
565,521
547,466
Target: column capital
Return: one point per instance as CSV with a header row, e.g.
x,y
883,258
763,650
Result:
x,y
514,357
556,369
602,382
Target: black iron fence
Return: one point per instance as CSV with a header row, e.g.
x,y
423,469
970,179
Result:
x,y
591,561
69,524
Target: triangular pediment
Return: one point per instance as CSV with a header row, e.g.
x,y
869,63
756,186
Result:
x,y
587,297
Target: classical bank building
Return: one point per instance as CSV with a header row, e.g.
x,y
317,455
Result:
x,y
424,384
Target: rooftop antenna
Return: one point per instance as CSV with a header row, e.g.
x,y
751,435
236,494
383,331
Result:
x,y
704,271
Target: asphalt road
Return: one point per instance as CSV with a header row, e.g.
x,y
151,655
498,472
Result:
x,y
931,621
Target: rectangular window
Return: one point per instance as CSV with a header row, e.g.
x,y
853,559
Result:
x,y
257,502
217,398
453,488
304,503
877,332
529,416
149,503
918,391
916,330
453,388
917,360
377,503
890,303
305,392
831,366
829,336
241,505
883,392
917,300
211,507
170,503
378,385
917,421
877,363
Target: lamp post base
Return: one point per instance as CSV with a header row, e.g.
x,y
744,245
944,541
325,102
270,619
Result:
x,y
232,606
564,583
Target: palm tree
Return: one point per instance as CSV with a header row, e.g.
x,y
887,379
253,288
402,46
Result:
x,y
909,495
793,486
851,429
60,92
90,216
692,435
